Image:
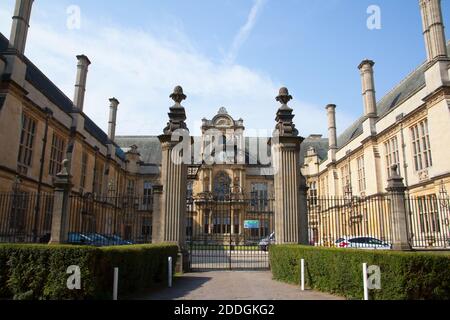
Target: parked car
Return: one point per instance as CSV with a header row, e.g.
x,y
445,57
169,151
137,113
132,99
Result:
x,y
265,243
115,240
369,243
98,240
79,239
88,239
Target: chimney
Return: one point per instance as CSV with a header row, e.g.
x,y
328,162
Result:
x,y
433,29
332,132
368,88
112,118
20,25
80,85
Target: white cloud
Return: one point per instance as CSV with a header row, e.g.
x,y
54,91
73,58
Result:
x,y
245,31
141,69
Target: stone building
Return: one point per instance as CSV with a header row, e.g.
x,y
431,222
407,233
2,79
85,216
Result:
x,y
40,127
405,128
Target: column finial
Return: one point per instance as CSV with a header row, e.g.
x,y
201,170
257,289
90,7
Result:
x,y
178,95
285,126
177,114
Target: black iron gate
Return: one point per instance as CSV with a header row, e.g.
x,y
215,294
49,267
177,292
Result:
x,y
229,234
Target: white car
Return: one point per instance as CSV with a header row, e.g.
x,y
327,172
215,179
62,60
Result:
x,y
369,243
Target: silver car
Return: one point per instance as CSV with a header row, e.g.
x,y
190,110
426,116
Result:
x,y
266,242
369,243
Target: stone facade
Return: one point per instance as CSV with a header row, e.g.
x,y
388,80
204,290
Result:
x,y
40,127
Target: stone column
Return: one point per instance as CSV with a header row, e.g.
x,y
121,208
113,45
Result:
x,y
399,215
290,206
61,202
172,222
20,25
156,216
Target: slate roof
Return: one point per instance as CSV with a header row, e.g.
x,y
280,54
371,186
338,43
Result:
x,y
149,147
318,143
4,43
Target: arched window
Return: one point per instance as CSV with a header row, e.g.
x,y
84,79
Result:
x,y
222,184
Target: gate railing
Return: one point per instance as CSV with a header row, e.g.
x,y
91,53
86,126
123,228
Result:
x,y
332,219
226,232
234,220
25,217
109,220
429,222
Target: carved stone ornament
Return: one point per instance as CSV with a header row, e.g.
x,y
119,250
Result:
x,y
177,114
285,126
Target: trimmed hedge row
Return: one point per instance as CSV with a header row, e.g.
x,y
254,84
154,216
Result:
x,y
404,276
38,272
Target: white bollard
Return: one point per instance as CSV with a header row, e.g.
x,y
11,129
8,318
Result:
x,y
366,282
116,284
170,273
302,274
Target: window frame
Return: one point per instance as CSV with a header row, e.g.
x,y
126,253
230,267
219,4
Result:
x,y
57,149
421,146
26,143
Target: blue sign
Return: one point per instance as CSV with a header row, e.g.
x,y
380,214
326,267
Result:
x,y
251,224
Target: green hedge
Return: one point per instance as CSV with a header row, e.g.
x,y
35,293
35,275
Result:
x,y
39,271
404,276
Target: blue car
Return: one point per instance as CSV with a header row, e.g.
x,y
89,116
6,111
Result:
x,y
79,239
115,240
88,239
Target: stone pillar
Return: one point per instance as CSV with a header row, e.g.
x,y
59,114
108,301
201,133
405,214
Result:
x,y
433,29
172,222
60,218
332,132
399,215
20,25
290,208
156,216
114,104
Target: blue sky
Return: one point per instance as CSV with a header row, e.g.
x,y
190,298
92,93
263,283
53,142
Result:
x,y
232,53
